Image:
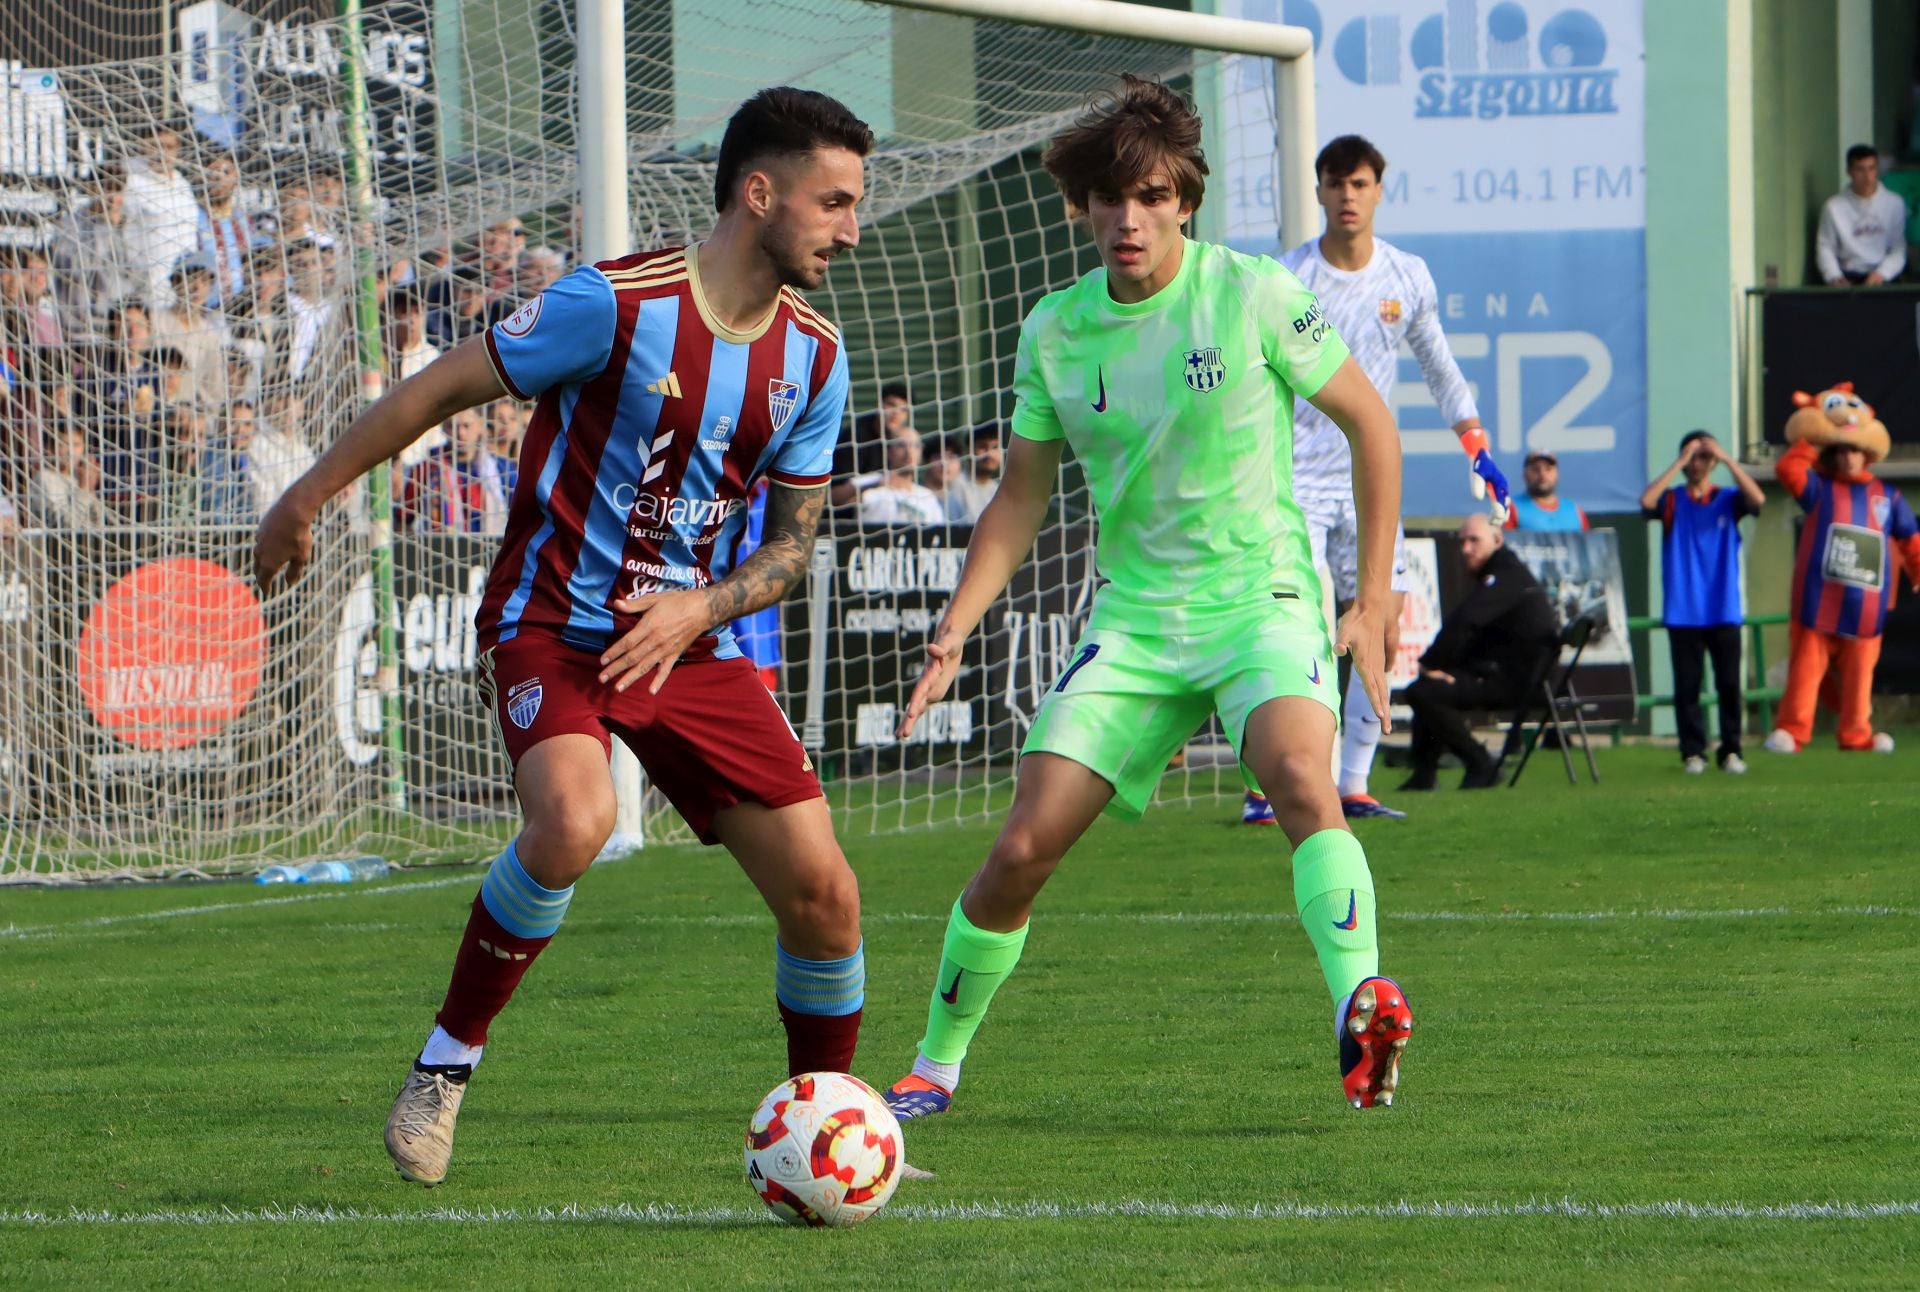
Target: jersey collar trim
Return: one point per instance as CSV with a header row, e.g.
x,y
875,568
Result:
x,y
1168,295
707,315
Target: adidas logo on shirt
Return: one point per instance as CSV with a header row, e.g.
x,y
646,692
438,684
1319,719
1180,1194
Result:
x,y
668,385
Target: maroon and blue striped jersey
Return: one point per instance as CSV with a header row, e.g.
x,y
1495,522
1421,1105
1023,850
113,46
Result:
x,y
1843,573
652,420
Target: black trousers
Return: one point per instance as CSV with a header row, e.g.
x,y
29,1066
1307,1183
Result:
x,y
1691,646
1439,721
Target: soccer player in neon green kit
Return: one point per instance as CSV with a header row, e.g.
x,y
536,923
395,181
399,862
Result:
x,y
1172,372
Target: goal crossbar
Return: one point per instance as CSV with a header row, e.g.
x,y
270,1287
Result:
x,y
1289,48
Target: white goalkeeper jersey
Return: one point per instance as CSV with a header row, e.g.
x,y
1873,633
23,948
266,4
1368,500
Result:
x,y
1392,300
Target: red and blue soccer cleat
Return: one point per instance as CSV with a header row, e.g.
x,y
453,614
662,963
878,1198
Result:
x,y
912,1097
1256,810
1366,805
1374,1022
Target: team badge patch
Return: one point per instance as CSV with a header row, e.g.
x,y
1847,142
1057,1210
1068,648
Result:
x,y
521,321
1881,507
782,397
1389,312
523,702
1204,369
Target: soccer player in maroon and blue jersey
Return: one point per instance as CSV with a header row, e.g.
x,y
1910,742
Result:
x,y
666,385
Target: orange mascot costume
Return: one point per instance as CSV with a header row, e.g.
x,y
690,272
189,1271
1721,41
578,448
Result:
x,y
1844,566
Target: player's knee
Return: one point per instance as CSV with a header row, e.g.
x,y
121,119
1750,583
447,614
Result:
x,y
1296,782
822,912
1022,857
559,843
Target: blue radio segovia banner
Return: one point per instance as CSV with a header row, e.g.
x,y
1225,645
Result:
x,y
1514,132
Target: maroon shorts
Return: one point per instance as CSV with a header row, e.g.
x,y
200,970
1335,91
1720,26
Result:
x,y
713,738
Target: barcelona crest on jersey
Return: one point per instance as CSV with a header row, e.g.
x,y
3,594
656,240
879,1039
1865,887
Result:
x,y
1205,370
1389,312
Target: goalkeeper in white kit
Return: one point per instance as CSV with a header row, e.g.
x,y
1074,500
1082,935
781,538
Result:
x,y
1376,296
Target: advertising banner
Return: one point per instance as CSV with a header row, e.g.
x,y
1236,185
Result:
x,y
1514,138
887,591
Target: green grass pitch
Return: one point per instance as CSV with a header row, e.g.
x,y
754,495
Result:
x,y
1662,1041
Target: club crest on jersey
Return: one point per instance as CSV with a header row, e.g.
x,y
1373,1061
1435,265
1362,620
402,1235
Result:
x,y
1881,507
523,702
782,398
1204,369
1389,312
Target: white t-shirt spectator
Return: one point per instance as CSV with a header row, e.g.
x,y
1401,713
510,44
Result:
x,y
967,497
163,224
62,502
201,338
913,504
409,361
311,320
275,459
1862,235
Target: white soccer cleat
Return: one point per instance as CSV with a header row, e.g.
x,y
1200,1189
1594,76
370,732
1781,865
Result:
x,y
1734,765
1694,765
1779,742
1882,743
420,1127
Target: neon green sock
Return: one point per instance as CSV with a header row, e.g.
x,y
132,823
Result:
x,y
1334,892
973,964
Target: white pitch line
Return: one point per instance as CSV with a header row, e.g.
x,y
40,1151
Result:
x,y
81,928
210,908
694,1217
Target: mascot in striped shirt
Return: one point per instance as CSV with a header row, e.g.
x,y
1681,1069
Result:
x,y
1857,535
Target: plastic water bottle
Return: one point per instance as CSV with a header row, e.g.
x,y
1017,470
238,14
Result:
x,y
345,871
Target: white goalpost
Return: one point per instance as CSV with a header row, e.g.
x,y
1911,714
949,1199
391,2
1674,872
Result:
x,y
156,717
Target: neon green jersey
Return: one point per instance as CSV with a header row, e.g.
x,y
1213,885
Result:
x,y
1180,409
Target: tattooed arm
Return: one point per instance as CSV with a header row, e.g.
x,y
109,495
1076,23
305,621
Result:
x,y
671,621
779,563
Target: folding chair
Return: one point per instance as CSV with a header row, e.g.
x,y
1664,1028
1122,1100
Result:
x,y
1545,692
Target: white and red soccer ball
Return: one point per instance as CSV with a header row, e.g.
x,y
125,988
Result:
x,y
823,1149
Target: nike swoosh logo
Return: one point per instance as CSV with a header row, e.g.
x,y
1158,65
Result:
x,y
952,994
1353,917
1101,405
1314,677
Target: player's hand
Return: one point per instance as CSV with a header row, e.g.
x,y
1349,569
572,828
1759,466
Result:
x,y
1360,636
669,623
284,541
936,676
1488,479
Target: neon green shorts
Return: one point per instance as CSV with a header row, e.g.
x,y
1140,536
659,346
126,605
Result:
x,y
1131,696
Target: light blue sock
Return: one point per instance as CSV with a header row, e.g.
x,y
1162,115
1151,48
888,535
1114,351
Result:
x,y
518,903
820,986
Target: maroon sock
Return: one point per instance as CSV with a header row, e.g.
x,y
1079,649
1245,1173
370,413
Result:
x,y
818,1042
490,965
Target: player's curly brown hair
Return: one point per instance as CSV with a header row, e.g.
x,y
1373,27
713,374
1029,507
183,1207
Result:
x,y
1129,133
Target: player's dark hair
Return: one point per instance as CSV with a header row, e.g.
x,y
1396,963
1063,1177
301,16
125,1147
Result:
x,y
1861,152
1125,136
784,122
1347,154
895,390
1691,436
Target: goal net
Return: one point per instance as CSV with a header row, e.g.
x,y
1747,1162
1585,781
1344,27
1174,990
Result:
x,y
192,284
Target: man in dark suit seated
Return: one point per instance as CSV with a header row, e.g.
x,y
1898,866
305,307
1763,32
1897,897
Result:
x,y
1488,649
